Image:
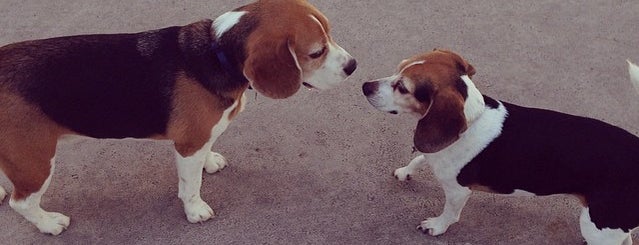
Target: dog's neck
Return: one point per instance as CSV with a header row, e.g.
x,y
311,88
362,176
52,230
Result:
x,y
232,70
475,139
474,106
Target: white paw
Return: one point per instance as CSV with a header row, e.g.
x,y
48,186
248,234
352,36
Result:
x,y
403,174
198,211
52,223
435,226
3,194
214,162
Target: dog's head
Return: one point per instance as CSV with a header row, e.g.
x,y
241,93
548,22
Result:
x,y
286,43
437,88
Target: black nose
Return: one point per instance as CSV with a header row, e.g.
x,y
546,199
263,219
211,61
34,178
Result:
x,y
369,88
350,67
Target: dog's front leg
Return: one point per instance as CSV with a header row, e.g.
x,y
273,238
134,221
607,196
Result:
x,y
404,173
190,174
456,197
214,162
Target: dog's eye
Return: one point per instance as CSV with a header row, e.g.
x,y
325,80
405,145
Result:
x,y
401,88
318,53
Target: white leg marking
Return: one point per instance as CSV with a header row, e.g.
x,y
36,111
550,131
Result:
x,y
521,193
3,194
628,240
190,174
404,173
190,170
226,21
215,161
47,222
595,236
634,74
456,197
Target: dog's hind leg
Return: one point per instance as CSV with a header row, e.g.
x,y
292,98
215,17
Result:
x,y
27,195
27,153
605,236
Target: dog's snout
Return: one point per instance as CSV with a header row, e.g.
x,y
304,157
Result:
x,y
350,67
369,88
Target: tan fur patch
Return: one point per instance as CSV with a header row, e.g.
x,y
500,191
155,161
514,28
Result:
x,y
27,144
582,199
195,112
477,187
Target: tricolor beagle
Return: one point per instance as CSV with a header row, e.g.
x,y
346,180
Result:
x,y
473,142
182,83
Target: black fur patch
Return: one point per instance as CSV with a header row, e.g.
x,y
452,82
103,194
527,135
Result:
x,y
462,88
547,152
118,85
490,102
424,92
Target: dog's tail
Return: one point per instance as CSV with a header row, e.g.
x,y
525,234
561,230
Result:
x,y
634,74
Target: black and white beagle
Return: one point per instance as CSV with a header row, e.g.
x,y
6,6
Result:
x,y
473,142
182,83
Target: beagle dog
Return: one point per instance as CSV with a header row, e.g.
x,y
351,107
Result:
x,y
475,143
181,83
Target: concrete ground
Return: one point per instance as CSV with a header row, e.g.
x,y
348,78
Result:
x,y
316,168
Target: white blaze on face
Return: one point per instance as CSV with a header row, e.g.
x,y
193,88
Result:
x,y
383,99
331,72
386,99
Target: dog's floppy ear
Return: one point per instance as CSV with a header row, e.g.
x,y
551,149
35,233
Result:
x,y
443,122
272,67
464,67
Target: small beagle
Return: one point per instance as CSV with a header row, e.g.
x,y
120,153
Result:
x,y
473,142
181,83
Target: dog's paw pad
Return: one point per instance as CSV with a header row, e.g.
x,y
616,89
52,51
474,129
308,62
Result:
x,y
198,211
53,223
434,226
214,162
402,174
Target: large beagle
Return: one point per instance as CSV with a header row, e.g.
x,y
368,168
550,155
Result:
x,y
182,83
473,142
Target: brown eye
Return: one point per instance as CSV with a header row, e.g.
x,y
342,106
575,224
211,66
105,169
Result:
x,y
318,53
401,88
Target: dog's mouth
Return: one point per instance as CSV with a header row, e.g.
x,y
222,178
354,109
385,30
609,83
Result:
x,y
307,85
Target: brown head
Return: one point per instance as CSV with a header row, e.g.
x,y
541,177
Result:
x,y
287,44
436,87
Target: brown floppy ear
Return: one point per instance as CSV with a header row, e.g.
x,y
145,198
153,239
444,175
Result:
x,y
442,124
464,67
272,67
470,70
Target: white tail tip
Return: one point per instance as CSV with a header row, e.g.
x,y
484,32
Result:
x,y
634,74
